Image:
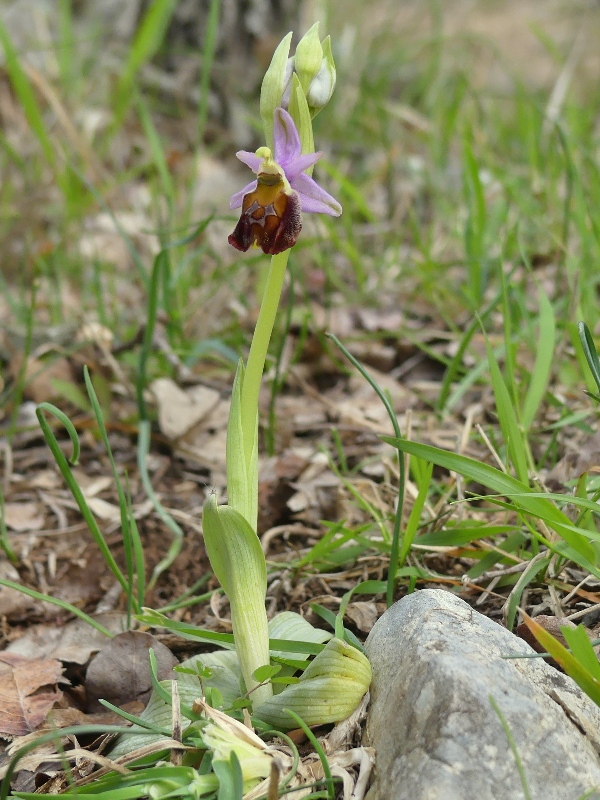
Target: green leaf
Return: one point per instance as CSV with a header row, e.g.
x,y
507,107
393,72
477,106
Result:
x,y
272,87
267,672
329,689
148,38
26,95
571,665
590,352
241,475
238,561
543,362
581,647
229,773
525,499
511,431
300,113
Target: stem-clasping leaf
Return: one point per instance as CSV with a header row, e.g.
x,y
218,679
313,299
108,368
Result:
x,y
238,562
329,690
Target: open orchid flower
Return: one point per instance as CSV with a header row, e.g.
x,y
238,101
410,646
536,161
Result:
x,y
272,205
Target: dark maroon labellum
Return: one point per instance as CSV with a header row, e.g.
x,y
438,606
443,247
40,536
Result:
x,y
271,219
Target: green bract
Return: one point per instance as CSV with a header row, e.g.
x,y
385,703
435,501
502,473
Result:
x,y
272,88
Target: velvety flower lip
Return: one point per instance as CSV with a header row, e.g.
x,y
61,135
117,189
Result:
x,y
288,155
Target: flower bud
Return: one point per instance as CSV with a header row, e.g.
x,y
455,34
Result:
x,y
323,84
309,55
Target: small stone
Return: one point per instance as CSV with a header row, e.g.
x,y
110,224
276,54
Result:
x,y
436,662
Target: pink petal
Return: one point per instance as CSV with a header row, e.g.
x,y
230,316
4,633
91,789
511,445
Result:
x,y
235,201
249,159
301,163
287,141
313,198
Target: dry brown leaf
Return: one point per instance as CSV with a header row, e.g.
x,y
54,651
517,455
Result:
x,y
23,704
363,615
72,643
121,670
39,376
179,411
23,517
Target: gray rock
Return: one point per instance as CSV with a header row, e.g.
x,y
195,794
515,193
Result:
x,y
436,662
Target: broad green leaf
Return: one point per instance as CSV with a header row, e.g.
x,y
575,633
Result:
x,y
292,626
328,691
238,562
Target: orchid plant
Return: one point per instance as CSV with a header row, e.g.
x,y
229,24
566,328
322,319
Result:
x,y
332,684
272,205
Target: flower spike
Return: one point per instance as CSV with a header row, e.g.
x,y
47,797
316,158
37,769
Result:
x,y
272,204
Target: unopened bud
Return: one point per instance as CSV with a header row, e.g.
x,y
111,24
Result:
x,y
309,54
321,88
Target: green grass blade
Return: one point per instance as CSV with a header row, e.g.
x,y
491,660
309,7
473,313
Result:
x,y
318,750
513,747
590,352
208,55
571,665
4,542
67,474
55,601
172,525
511,431
543,362
527,501
133,604
415,514
475,224
395,545
579,644
537,564
26,96
149,37
65,51
156,148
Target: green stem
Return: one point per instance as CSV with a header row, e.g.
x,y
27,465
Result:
x,y
258,349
